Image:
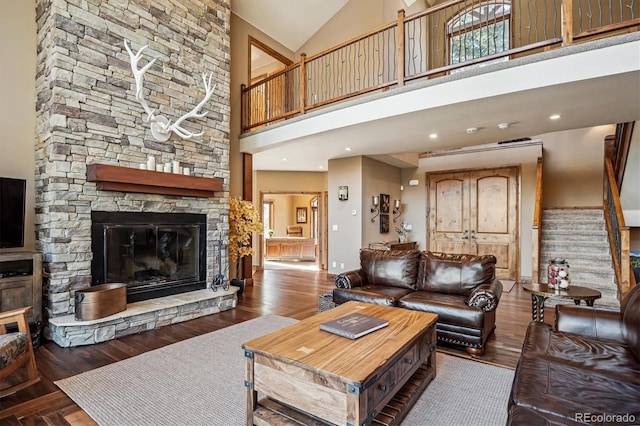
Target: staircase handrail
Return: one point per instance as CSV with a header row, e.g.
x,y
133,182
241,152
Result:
x,y
536,234
618,232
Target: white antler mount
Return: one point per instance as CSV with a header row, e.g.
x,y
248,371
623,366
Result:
x,y
161,127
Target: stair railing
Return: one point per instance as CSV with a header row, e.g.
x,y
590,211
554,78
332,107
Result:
x,y
536,232
619,234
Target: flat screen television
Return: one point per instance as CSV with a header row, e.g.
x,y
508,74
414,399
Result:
x,y
12,199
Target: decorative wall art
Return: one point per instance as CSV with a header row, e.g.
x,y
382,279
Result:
x,y
301,215
343,193
385,203
161,126
384,223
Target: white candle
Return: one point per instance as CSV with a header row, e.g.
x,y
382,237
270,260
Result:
x,y
167,167
143,166
151,162
158,167
176,166
186,171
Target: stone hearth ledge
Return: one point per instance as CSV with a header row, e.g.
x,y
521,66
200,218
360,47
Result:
x,y
147,315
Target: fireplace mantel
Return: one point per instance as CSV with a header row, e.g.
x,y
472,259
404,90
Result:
x,y
124,179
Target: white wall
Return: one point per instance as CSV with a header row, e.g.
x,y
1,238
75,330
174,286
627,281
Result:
x,y
17,100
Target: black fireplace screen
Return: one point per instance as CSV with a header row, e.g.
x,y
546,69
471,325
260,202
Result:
x,y
154,254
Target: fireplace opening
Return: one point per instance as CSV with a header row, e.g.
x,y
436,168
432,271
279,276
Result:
x,y
154,254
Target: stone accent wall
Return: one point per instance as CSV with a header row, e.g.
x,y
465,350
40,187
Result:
x,y
87,113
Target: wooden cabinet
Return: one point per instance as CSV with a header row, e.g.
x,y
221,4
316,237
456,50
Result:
x,y
290,248
21,282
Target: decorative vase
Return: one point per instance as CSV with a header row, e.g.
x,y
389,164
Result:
x,y
558,274
238,283
402,239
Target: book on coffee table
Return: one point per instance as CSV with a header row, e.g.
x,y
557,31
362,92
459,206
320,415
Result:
x,y
354,325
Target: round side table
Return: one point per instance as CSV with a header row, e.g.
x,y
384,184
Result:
x,y
541,292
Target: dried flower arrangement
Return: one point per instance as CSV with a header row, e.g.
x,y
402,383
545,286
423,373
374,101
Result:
x,y
244,220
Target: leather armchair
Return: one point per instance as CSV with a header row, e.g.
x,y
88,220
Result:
x,y
589,365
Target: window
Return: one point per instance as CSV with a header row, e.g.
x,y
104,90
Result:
x,y
479,31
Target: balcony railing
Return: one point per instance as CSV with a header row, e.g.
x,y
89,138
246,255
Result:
x,y
435,42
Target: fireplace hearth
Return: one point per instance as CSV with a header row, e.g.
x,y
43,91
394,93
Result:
x,y
154,254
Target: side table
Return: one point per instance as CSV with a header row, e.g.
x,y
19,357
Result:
x,y
541,292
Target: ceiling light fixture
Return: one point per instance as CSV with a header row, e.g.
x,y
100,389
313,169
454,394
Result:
x,y
348,148
554,117
503,126
433,135
472,130
284,159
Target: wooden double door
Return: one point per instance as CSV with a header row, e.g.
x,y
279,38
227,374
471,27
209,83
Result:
x,y
476,212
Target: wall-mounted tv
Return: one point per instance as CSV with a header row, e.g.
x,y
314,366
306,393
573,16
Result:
x,y
12,199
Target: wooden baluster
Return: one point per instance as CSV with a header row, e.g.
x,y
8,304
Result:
x,y
400,48
567,22
303,82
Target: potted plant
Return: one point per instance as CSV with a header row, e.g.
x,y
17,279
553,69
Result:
x,y
244,220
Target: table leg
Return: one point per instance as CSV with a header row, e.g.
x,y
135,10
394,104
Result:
x,y
537,307
589,302
577,301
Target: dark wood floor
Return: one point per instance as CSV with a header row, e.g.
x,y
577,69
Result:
x,y
291,293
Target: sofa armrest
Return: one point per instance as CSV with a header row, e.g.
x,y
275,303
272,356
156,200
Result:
x,y
486,296
351,279
589,322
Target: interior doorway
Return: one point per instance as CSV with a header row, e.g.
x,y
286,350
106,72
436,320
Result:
x,y
293,237
264,61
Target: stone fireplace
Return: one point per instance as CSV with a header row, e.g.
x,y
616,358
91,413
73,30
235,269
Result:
x,y
88,117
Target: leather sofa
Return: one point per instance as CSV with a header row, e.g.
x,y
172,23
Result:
x,y
586,371
461,289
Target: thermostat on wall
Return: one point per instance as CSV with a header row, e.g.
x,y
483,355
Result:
x,y
413,182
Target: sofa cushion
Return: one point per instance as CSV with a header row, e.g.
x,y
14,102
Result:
x,y
454,273
565,375
395,268
450,308
376,294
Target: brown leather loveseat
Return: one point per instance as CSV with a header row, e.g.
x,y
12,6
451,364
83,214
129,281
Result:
x,y
586,371
461,289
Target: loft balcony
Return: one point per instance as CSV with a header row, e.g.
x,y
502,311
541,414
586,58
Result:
x,y
469,62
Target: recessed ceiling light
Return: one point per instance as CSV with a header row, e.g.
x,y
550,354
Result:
x,y
554,117
320,167
503,126
472,130
433,135
284,159
348,148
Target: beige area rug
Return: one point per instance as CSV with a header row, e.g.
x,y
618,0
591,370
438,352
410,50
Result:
x,y
200,381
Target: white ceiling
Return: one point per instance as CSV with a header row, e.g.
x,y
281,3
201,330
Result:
x,y
290,22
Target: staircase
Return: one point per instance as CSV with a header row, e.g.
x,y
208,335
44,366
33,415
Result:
x,y
580,237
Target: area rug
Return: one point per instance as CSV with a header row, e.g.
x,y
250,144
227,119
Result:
x,y
200,381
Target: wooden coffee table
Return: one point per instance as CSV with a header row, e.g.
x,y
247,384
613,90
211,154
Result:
x,y
541,292
308,374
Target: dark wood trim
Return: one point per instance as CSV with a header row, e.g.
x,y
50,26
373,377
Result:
x,y
247,195
124,179
269,51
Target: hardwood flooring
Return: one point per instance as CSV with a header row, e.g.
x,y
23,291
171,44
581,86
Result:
x,y
291,293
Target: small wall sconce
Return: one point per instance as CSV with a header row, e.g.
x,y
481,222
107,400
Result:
x,y
375,202
343,193
396,211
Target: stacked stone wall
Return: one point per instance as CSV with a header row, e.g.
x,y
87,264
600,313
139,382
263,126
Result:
x,y
87,113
